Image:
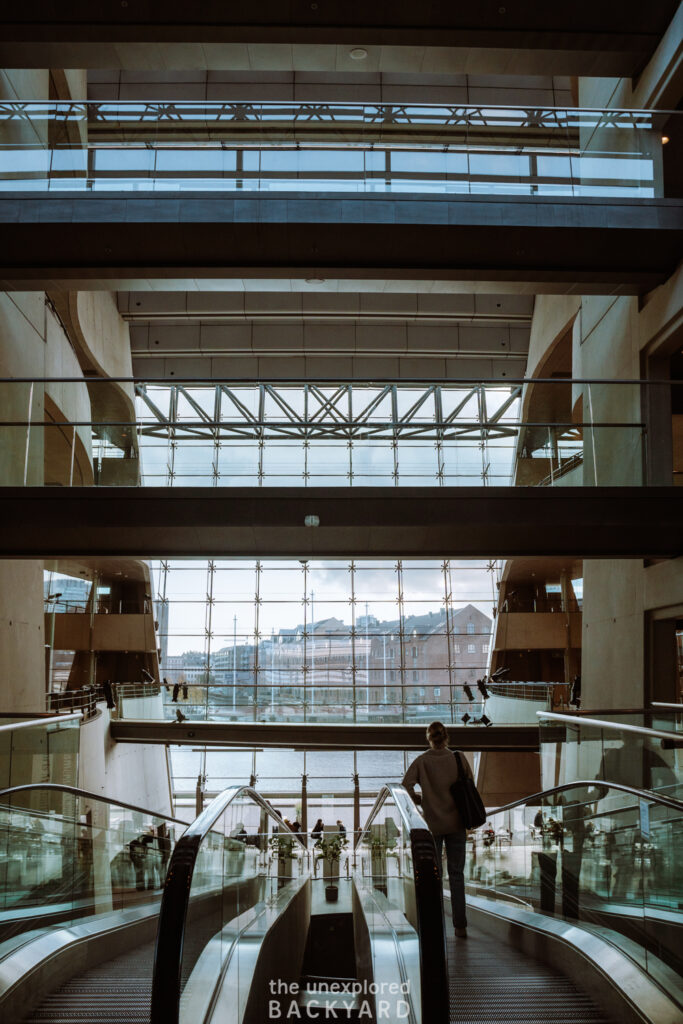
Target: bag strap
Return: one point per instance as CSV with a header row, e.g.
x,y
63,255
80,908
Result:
x,y
456,754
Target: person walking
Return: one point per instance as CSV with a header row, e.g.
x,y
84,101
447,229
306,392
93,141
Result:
x,y
435,771
317,829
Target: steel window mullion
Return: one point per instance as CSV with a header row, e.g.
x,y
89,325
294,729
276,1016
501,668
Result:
x,y
257,638
216,432
261,431
394,442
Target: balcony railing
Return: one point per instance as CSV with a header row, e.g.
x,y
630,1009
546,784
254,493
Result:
x,y
222,433
388,148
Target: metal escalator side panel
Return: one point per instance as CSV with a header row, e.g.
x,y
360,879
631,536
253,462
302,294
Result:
x,y
430,926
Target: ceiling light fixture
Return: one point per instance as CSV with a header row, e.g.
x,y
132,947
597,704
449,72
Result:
x,y
665,139
315,280
358,53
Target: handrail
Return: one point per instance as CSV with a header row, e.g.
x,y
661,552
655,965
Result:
x,y
664,704
201,826
405,804
33,723
601,723
307,105
168,951
586,712
642,794
369,383
75,791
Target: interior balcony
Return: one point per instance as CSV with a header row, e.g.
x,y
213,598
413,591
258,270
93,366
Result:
x,y
104,195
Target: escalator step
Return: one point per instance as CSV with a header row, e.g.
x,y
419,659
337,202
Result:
x,y
491,982
117,992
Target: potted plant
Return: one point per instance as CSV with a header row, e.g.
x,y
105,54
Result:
x,y
282,845
331,846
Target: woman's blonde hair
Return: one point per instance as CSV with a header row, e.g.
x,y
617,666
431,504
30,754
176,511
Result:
x,y
437,736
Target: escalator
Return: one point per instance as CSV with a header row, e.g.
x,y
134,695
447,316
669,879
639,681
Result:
x,y
384,943
599,856
252,925
83,880
480,979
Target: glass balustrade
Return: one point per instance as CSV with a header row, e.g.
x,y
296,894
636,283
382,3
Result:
x,y
67,856
39,747
605,857
380,148
614,747
398,885
66,432
237,869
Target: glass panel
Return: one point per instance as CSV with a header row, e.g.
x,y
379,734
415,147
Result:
x,y
582,750
247,866
49,750
64,857
386,888
594,854
316,640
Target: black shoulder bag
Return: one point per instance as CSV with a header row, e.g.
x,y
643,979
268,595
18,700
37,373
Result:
x,y
466,796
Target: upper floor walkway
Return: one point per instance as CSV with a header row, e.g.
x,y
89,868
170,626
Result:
x,y
118,192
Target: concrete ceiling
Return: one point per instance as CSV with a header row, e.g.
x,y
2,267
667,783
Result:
x,y
211,333
599,38
320,304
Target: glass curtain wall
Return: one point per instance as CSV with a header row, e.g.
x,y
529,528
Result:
x,y
331,776
354,641
328,436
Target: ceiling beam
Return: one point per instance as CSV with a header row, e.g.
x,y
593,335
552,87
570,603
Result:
x,y
58,240
323,306
321,736
361,522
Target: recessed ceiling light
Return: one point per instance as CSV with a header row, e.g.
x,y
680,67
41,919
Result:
x,y
665,139
358,53
315,280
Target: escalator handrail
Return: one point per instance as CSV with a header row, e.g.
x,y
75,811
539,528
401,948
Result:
x,y
602,723
641,794
405,804
175,900
429,901
55,787
203,823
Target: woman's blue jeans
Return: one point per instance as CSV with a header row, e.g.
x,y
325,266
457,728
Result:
x,y
455,861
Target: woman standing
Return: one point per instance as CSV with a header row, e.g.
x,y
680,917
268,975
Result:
x,y
435,771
